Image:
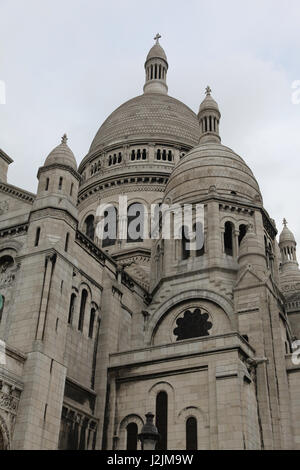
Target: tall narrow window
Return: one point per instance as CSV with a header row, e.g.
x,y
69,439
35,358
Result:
x,y
191,434
60,183
132,436
67,242
243,230
47,184
37,236
92,321
228,239
89,227
71,308
162,420
198,228
110,229
135,221
2,301
82,309
71,189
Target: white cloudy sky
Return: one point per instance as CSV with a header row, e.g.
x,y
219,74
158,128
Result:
x,y
68,64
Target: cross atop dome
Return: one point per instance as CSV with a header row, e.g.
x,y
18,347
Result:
x,y
157,38
64,139
208,90
284,222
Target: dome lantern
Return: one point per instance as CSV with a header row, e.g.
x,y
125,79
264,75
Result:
x,y
209,119
287,245
156,67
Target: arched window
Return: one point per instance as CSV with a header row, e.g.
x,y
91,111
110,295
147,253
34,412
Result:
x,y
191,434
228,239
170,156
2,301
198,229
110,228
132,436
243,231
158,154
115,159
164,155
119,157
162,420
84,295
67,242
71,308
185,244
135,223
144,155
47,184
138,154
60,183
133,155
89,227
37,236
92,321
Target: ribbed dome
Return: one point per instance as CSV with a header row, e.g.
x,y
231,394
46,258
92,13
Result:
x,y
212,167
157,52
148,117
286,236
208,103
62,154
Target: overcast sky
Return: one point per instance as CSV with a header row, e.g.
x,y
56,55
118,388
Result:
x,y
67,64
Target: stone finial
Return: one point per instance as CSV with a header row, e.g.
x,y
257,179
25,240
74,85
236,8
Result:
x,y
64,139
208,90
157,38
284,222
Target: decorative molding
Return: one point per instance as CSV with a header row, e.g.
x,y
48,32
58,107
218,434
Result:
x,y
18,193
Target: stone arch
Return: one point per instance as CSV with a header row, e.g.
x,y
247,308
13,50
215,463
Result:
x,y
12,246
198,294
4,435
132,418
153,391
202,424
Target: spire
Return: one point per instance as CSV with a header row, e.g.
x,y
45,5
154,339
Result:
x,y
209,119
156,67
287,245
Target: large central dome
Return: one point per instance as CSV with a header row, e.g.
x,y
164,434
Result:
x,y
147,117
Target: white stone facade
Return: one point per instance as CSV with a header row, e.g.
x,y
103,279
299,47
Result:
x,y
97,335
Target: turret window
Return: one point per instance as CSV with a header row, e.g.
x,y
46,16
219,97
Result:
x,y
191,434
71,308
47,184
162,420
185,241
92,321
67,242
110,228
132,436
165,155
37,236
242,232
138,154
60,184
228,239
2,301
90,227
135,223
71,189
82,309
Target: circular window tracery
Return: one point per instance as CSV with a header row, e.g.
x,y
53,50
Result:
x,y
193,324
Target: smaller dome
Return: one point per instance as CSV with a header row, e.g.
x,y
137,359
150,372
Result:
x,y
208,102
62,154
286,235
157,52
